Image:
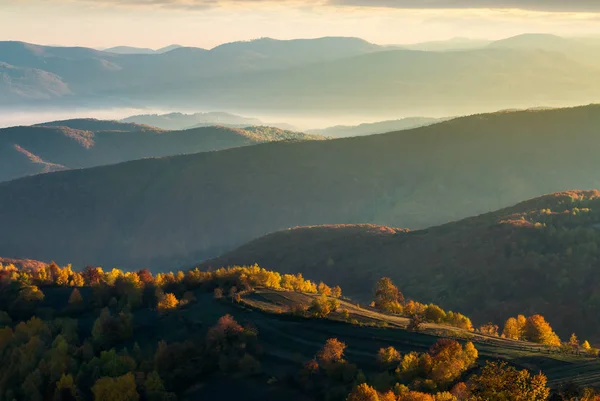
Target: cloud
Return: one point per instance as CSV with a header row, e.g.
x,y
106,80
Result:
x,y
530,5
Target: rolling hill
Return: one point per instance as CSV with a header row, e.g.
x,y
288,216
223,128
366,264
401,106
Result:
x,y
173,211
84,143
539,256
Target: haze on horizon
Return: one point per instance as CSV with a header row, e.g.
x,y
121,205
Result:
x,y
208,23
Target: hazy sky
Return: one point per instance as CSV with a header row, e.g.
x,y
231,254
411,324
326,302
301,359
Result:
x,y
207,23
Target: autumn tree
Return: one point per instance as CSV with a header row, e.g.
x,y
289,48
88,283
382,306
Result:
x,y
449,360
388,297
336,292
537,330
332,351
168,302
388,357
324,289
574,341
322,306
489,329
500,382
434,313
363,392
511,329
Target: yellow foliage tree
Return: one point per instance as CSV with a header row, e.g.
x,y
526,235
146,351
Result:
x,y
537,330
332,351
388,357
363,392
336,291
511,329
324,289
168,302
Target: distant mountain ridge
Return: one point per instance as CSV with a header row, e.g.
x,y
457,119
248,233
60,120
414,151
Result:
x,y
340,75
82,143
176,211
139,50
174,121
340,131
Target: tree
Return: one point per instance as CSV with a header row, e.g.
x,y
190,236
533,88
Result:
x,y
537,330
65,389
511,329
363,392
388,357
324,289
75,298
322,306
387,296
449,360
489,329
574,341
434,313
31,294
332,351
168,302
500,382
122,388
336,292
415,323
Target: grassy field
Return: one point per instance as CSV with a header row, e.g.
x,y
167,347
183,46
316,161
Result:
x,y
376,329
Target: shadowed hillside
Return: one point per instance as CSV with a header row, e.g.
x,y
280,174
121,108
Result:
x,y
84,143
540,256
181,210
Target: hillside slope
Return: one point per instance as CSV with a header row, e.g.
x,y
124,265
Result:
x,y
86,143
180,210
540,256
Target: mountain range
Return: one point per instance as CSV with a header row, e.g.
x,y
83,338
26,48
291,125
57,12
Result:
x,y
327,75
175,211
140,50
84,143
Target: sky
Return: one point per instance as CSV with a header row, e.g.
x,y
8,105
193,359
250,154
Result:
x,y
208,23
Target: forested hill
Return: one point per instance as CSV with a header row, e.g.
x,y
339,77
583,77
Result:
x,y
540,256
84,143
180,210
